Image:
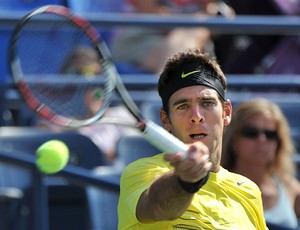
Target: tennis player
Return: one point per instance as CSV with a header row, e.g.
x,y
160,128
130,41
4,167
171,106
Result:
x,y
169,191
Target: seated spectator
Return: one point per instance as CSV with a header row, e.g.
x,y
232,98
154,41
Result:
x,y
84,61
144,50
258,53
258,145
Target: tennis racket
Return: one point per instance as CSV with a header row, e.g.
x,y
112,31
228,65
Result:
x,y
59,64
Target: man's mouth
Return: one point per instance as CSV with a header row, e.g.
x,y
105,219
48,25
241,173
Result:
x,y
198,136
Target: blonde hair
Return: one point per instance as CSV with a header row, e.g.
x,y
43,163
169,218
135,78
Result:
x,y
283,162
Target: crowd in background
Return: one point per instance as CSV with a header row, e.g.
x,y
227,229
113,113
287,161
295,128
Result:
x,y
137,49
237,54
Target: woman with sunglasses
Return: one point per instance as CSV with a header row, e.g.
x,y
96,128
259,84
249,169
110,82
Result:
x,y
258,145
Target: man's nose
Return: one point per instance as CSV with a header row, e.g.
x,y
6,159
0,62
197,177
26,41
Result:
x,y
197,117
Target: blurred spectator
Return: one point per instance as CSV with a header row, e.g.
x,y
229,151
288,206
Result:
x,y
84,61
258,145
247,54
144,50
207,7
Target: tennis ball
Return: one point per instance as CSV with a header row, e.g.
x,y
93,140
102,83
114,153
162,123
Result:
x,y
52,156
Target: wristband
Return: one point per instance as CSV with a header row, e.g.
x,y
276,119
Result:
x,y
192,187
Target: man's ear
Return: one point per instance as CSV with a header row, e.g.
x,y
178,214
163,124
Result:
x,y
164,119
227,112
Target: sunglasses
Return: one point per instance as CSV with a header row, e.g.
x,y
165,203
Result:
x,y
252,133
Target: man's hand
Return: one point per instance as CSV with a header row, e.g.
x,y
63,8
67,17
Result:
x,y
195,166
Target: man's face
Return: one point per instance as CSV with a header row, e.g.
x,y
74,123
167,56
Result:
x,y
197,114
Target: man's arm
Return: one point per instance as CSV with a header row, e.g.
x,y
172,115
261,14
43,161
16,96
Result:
x,y
166,198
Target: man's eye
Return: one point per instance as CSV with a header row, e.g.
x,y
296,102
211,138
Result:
x,y
208,104
183,106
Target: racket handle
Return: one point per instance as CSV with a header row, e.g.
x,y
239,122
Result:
x,y
162,139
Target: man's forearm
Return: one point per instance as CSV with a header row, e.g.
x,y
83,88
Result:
x,y
164,200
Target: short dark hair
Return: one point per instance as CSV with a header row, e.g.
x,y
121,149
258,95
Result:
x,y
180,61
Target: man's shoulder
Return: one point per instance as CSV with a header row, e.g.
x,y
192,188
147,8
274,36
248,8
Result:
x,y
143,163
241,182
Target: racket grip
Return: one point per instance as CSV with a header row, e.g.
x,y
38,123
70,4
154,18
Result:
x,y
162,139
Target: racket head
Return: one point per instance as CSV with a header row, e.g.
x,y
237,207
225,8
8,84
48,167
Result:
x,y
61,66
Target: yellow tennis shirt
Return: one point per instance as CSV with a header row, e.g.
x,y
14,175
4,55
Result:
x,y
226,201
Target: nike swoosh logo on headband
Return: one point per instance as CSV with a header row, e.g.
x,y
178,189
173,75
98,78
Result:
x,y
184,75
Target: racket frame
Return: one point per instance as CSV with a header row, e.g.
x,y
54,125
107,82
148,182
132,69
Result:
x,y
27,94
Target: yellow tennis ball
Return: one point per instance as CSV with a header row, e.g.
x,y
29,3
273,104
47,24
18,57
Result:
x,y
52,156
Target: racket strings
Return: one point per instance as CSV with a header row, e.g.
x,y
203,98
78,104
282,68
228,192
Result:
x,y
59,77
